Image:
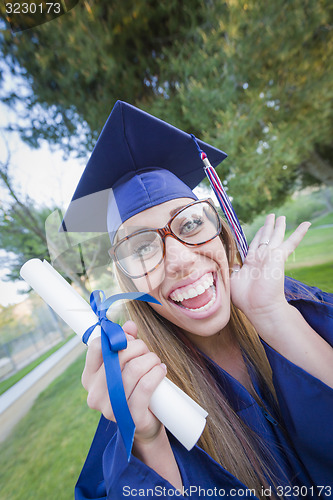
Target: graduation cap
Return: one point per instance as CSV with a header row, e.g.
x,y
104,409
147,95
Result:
x,y
139,161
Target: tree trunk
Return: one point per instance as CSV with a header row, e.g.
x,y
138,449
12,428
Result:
x,y
328,199
319,168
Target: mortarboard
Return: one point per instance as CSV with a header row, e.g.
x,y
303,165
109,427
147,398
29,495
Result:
x,y
140,161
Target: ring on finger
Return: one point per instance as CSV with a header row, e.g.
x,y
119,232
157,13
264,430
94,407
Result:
x,y
264,243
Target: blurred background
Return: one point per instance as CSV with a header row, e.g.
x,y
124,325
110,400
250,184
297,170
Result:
x,y
253,78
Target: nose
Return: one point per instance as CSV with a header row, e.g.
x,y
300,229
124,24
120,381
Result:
x,y
179,258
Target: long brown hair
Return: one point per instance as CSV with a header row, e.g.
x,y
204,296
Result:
x,y
226,437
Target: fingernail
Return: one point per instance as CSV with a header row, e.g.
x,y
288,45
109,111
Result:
x,y
164,366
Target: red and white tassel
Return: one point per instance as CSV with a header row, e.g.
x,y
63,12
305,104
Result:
x,y
224,202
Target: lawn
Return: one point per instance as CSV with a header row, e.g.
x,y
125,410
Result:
x,y
316,248
320,276
312,262
43,457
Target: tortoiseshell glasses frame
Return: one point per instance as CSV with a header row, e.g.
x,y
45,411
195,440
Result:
x,y
163,232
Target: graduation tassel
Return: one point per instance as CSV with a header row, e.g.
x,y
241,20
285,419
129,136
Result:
x,y
224,202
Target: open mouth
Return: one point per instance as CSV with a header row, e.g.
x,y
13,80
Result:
x,y
197,297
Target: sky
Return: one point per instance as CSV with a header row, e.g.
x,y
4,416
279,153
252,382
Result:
x,y
40,173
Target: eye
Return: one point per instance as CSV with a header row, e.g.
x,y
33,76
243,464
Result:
x,y
145,250
191,225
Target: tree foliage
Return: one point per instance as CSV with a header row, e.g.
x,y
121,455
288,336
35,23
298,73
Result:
x,y
23,236
28,231
18,239
79,64
251,77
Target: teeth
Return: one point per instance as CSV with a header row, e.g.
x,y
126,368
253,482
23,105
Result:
x,y
201,287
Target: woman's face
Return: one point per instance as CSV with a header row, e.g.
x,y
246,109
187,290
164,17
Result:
x,y
192,283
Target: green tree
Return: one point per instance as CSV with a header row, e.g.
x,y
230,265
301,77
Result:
x,y
28,231
23,235
261,89
10,326
250,76
78,65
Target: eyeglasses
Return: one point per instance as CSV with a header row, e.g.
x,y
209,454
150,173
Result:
x,y
139,253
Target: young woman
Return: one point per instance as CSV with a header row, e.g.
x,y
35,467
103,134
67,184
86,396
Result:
x,y
248,346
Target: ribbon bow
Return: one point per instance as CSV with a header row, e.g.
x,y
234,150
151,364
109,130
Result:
x,y
113,340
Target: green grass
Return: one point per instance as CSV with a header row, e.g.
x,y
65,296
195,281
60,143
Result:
x,y
324,219
312,261
304,207
43,457
315,249
320,276
10,381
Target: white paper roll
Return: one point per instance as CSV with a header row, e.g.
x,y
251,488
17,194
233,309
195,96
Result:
x,y
182,416
61,296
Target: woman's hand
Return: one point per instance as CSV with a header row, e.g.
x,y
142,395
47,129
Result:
x,y
257,288
142,371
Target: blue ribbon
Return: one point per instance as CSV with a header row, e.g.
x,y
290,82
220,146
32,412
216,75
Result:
x,y
114,340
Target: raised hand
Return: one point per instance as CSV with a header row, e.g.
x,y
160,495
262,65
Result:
x,y
257,288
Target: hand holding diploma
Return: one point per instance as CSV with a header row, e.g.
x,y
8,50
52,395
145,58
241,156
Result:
x,y
184,418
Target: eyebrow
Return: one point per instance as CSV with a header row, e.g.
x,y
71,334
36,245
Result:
x,y
175,210
138,228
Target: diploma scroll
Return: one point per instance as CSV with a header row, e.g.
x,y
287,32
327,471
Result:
x,y
182,416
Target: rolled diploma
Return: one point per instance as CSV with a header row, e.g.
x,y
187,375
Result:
x,y
182,416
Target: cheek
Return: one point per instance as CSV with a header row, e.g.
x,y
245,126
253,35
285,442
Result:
x,y
151,282
224,265
216,251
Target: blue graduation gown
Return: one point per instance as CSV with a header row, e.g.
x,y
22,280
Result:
x,y
303,450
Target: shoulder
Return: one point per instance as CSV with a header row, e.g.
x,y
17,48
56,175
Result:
x,y
314,304
295,290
